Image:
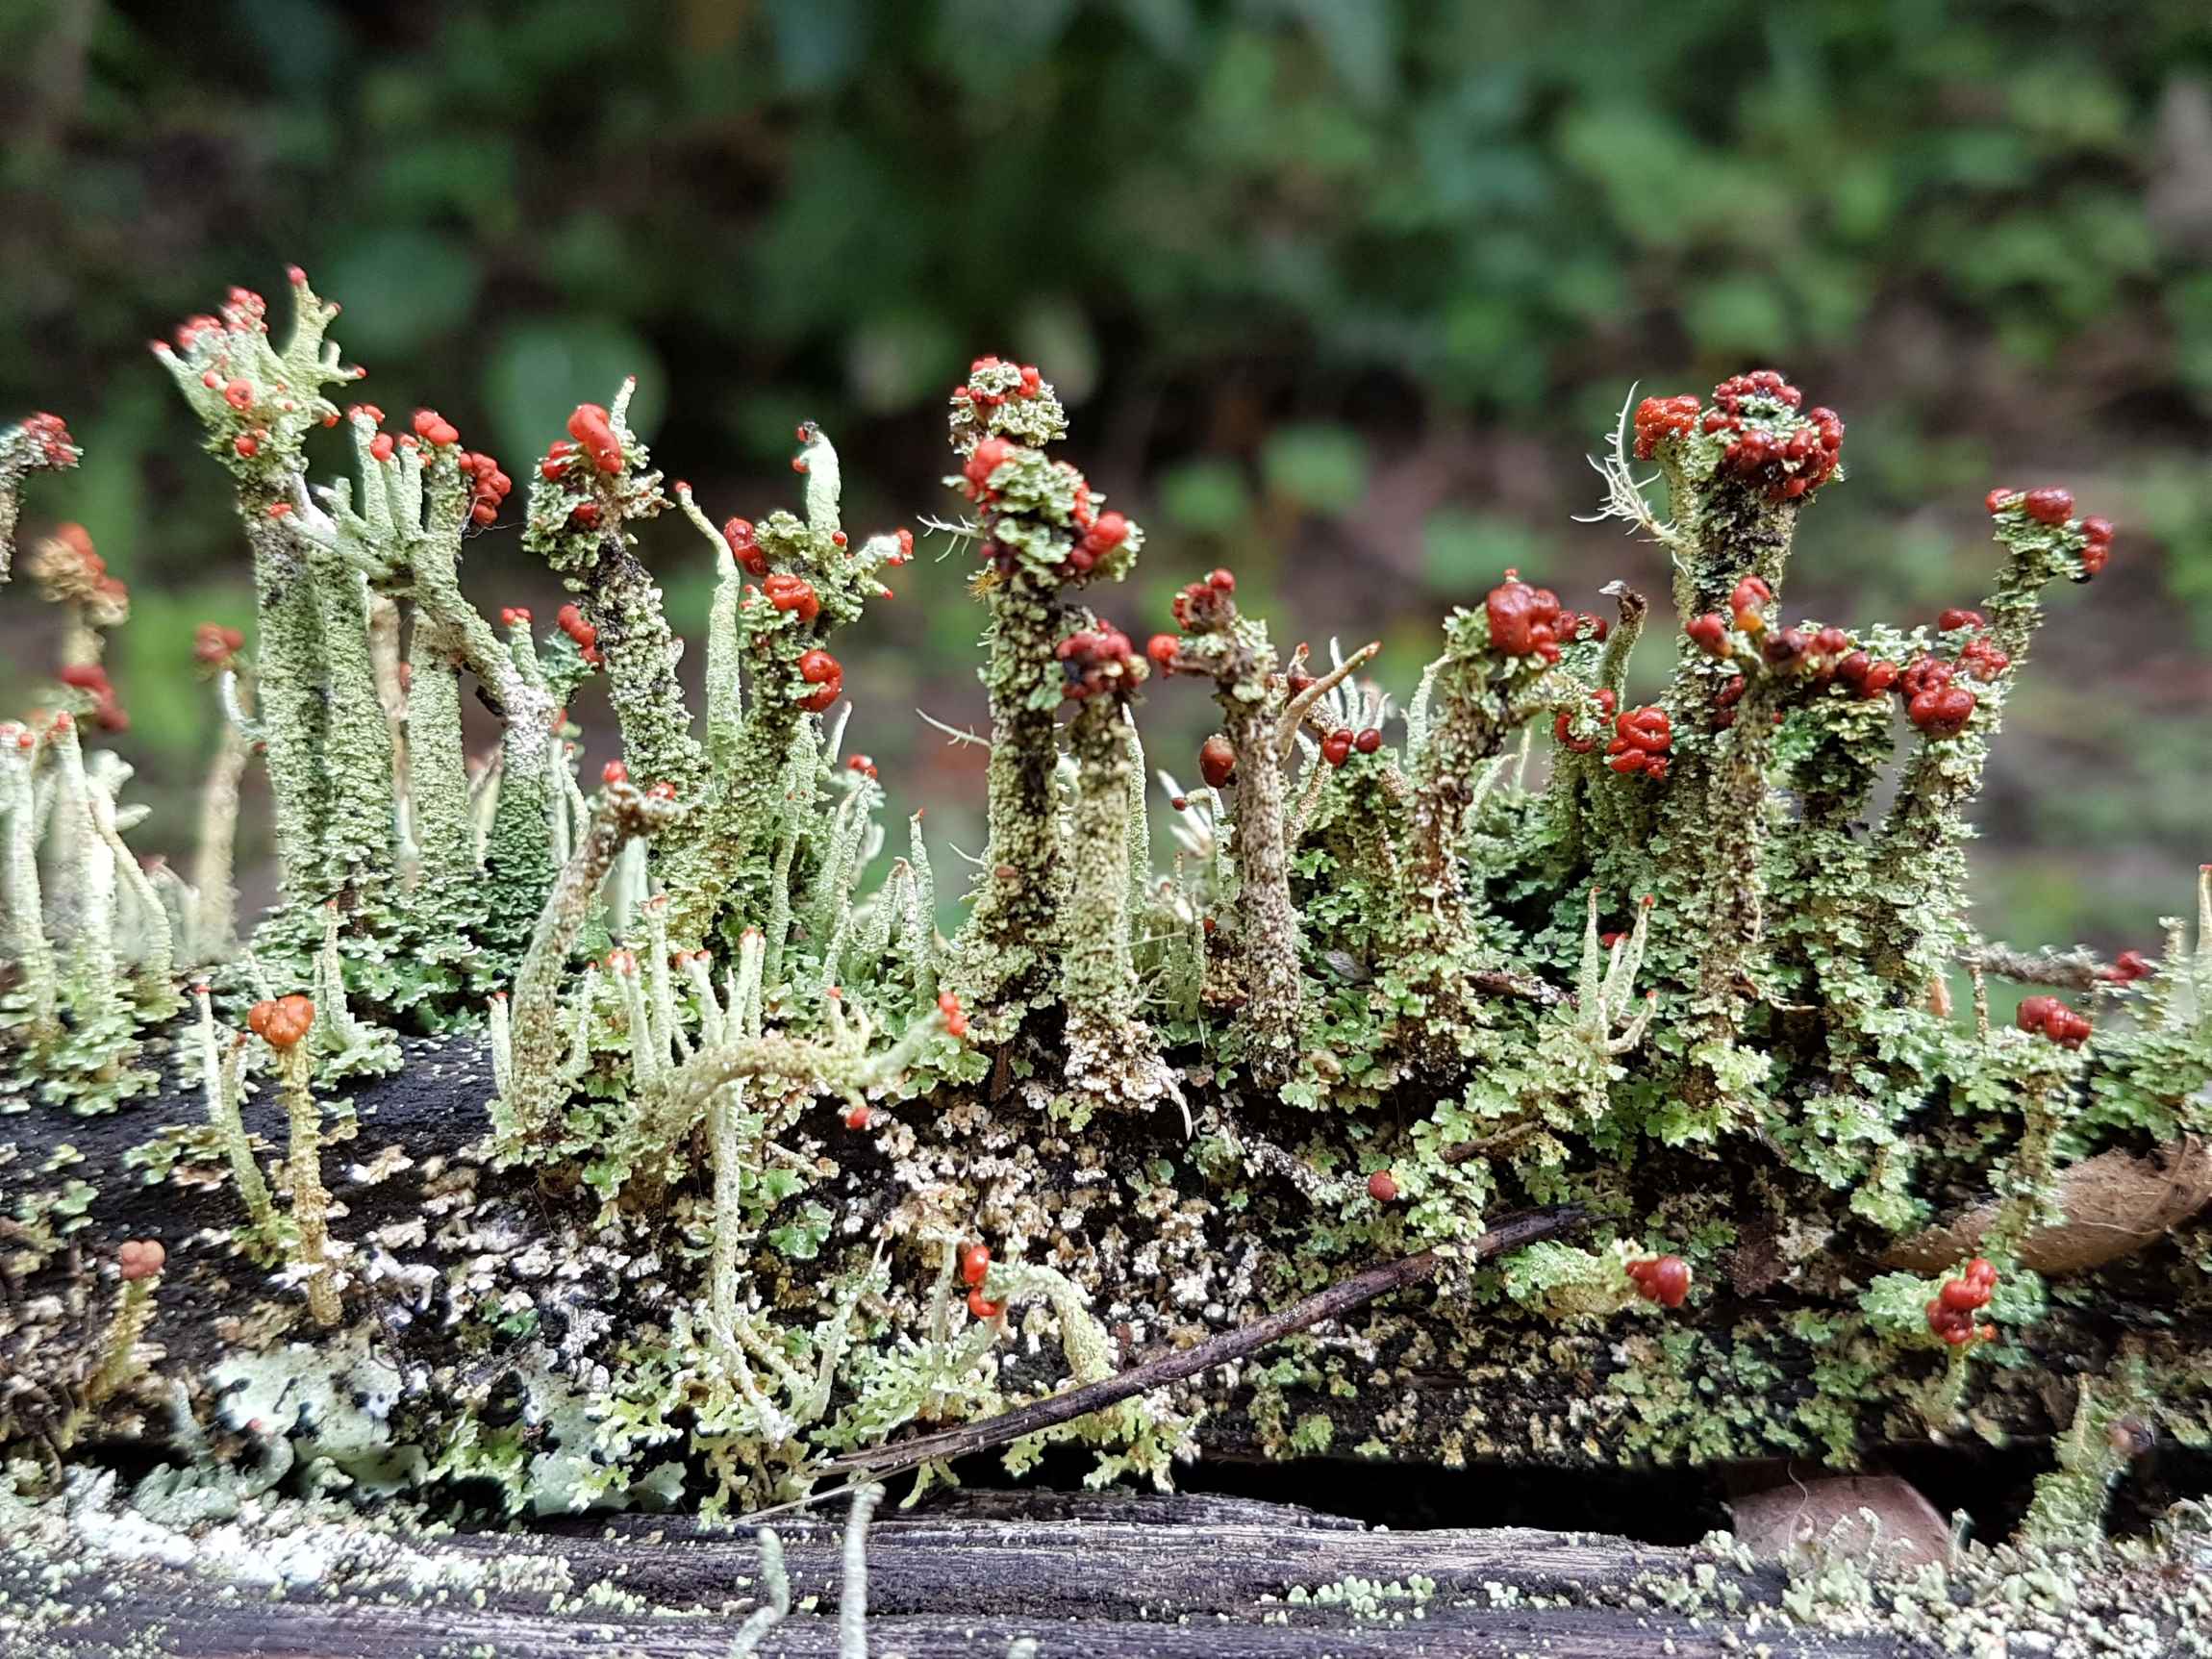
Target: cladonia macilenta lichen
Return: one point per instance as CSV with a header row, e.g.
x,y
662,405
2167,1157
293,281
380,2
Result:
x,y
724,1117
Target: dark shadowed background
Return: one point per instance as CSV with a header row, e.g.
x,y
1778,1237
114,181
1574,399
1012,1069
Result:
x,y
1339,295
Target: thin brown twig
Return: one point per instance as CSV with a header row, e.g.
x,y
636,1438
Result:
x,y
1337,1300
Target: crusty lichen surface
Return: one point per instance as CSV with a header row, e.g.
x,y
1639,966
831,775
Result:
x,y
658,1120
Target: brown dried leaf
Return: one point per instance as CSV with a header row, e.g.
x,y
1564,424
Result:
x,y
2115,1203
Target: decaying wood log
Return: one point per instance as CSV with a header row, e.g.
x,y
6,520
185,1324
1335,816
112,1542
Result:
x,y
1088,1576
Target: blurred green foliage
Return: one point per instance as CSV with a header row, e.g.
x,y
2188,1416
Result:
x,y
1340,293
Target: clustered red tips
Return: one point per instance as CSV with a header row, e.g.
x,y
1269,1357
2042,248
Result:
x,y
1641,738
744,548
1660,1279
1217,761
514,616
571,621
1934,704
1767,443
862,763
434,430
955,1017
90,678
2047,1016
1202,605
983,460
283,1022
974,1260
555,467
140,1258
1523,620
858,1117
1563,728
1096,660
2051,505
1027,386
2097,545
488,486
1658,418
1871,675
662,790
593,431
56,448
825,674
2126,968
788,592
1951,1311
613,773
1382,1187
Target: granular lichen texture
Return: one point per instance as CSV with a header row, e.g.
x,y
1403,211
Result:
x,y
643,1138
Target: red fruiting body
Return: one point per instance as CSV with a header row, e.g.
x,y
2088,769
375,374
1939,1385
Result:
x,y
570,621
2003,499
1522,618
2097,550
140,1258
238,394
788,592
2049,505
2126,968
1955,618
283,1022
856,1118
818,667
1368,740
1337,747
1563,728
513,617
380,446
584,515
985,459
1949,1312
613,773
1382,1187
215,644
1161,650
974,1264
1660,1279
1217,761
2047,1016
1748,603
1982,660
955,1017
822,695
739,533
247,445
593,431
1641,741
435,429
861,764
1095,659
84,676
905,547
1658,418
664,791
1768,441
1709,633
1107,532
1942,711
982,1306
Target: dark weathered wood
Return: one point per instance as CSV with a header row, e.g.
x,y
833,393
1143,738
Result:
x,y
1090,1576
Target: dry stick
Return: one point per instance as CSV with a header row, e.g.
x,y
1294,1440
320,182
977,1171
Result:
x,y
1509,1234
